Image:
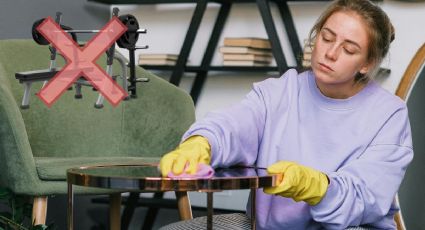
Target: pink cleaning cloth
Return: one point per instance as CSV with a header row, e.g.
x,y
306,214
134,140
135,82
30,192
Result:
x,y
204,171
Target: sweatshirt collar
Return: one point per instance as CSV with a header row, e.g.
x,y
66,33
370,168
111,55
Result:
x,y
338,104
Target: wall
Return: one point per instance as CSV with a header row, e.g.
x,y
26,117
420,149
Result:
x,y
17,16
167,25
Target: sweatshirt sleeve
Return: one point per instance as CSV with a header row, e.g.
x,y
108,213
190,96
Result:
x,y
362,191
234,133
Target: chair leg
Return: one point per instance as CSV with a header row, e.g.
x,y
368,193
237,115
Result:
x,y
398,217
39,210
399,221
183,204
115,211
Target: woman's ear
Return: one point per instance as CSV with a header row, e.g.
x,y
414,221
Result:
x,y
365,69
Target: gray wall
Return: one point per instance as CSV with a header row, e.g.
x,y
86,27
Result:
x,y
17,16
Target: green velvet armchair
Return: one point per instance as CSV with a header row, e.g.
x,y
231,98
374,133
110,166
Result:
x,y
38,145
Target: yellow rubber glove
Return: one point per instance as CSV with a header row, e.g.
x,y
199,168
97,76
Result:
x,y
192,151
298,182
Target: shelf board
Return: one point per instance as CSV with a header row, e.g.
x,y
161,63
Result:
x,y
384,71
244,68
215,68
141,2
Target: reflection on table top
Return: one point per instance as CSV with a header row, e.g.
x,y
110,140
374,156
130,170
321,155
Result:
x,y
147,178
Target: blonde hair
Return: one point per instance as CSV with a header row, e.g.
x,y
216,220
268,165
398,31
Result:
x,y
379,28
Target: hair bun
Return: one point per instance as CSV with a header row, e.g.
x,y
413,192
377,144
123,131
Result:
x,y
392,32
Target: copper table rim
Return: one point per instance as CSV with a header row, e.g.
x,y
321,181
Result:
x,y
147,184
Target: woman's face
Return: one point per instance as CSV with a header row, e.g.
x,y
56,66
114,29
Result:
x,y
340,52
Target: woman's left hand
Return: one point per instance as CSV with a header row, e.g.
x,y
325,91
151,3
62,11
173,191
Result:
x,y
299,182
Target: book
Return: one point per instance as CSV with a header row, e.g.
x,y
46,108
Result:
x,y
244,50
307,56
159,56
248,57
306,63
308,42
308,47
244,63
307,52
248,42
156,62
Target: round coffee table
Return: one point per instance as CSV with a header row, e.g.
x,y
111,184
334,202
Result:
x,y
146,178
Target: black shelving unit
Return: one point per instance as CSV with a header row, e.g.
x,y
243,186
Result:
x,y
225,6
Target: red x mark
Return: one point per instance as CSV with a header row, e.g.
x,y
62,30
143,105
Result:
x,y
81,61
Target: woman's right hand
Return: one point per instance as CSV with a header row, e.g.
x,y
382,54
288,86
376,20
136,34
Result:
x,y
186,157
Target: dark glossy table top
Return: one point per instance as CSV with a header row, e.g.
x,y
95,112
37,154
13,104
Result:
x,y
147,178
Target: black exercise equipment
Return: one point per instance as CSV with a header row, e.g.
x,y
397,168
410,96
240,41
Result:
x,y
127,41
41,40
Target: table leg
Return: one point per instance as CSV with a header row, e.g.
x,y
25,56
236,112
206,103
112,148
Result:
x,y
209,210
129,208
183,204
253,212
115,211
70,206
152,213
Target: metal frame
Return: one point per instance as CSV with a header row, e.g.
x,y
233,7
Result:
x,y
223,179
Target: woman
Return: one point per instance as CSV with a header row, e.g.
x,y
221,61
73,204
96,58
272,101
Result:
x,y
340,141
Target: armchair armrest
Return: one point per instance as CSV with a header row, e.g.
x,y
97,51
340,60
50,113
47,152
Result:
x,y
17,166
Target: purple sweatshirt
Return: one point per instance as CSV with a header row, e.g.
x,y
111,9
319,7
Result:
x,y
362,143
